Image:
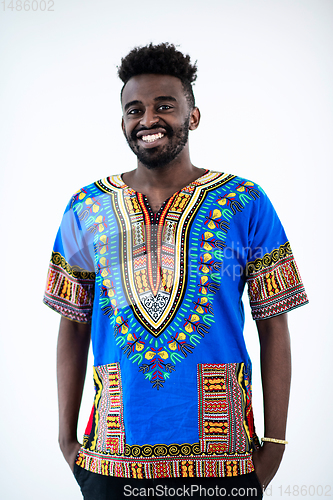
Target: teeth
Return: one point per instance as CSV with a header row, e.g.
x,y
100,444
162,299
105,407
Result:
x,y
152,138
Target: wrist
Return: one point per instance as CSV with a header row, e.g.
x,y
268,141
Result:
x,y
70,450
273,440
275,450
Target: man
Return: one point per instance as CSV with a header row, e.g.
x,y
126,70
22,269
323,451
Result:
x,y
152,265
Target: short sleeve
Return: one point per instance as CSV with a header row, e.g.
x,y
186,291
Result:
x,y
71,277
274,282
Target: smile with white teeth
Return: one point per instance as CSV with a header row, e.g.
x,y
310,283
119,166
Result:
x,y
152,138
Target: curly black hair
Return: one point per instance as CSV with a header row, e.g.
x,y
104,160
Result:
x,y
162,59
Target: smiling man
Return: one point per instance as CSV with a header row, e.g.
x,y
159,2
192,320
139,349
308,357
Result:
x,y
151,265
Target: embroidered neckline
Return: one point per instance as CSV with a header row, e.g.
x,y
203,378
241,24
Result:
x,y
117,181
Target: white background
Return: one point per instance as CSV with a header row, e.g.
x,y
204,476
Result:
x,y
265,92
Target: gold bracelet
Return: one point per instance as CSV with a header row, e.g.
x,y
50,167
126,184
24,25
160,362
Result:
x,y
274,440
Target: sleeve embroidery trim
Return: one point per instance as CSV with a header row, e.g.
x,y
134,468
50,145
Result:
x,y
74,271
69,290
274,284
268,260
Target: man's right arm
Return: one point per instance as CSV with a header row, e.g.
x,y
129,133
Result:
x,y
72,353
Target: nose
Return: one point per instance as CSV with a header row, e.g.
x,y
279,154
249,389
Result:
x,y
149,118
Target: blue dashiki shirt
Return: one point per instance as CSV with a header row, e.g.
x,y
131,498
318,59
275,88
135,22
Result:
x,y
163,293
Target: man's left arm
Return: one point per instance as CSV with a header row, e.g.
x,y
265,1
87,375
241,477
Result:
x,y
275,374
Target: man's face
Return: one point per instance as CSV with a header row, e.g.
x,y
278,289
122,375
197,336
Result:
x,y
156,118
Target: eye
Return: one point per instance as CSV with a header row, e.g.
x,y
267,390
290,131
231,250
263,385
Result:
x,y
165,107
133,111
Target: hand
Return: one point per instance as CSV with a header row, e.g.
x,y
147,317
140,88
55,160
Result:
x,y
70,451
266,462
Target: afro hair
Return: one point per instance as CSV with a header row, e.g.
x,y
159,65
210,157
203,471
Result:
x,y
162,59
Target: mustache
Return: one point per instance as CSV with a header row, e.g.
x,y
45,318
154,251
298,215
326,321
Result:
x,y
169,131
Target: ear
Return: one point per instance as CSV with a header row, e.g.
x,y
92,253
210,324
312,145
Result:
x,y
123,126
194,118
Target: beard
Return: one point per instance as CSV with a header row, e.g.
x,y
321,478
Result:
x,y
161,156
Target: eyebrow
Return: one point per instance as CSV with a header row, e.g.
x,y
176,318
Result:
x,y
128,104
165,98
156,99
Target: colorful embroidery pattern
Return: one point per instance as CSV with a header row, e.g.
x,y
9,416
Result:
x,y
75,271
222,409
69,289
92,211
105,432
167,466
160,285
245,383
158,265
274,283
155,256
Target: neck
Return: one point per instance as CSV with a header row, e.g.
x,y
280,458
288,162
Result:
x,y
167,179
